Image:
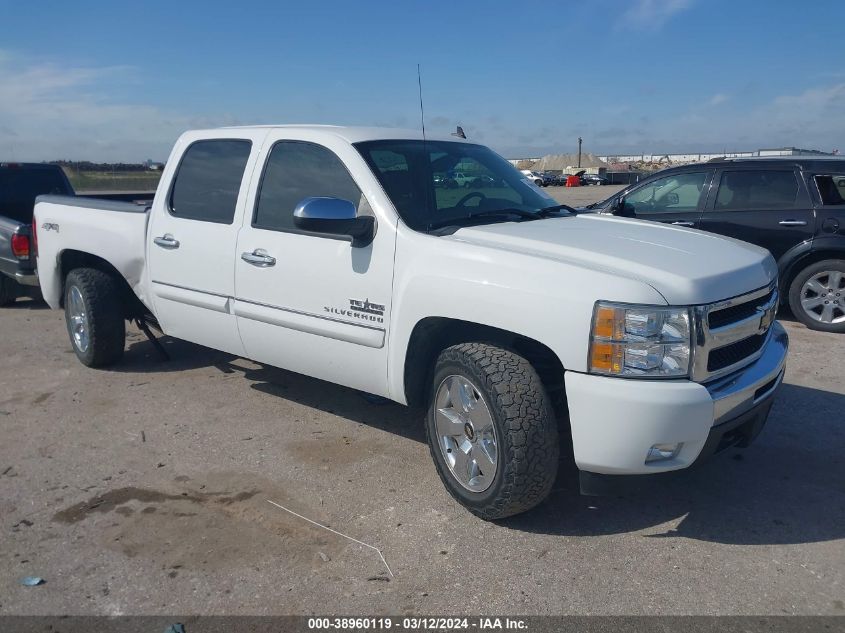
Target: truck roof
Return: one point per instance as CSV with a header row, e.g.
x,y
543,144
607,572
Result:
x,y
351,134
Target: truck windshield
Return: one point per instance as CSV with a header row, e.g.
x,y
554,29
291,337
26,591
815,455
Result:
x,y
19,186
433,183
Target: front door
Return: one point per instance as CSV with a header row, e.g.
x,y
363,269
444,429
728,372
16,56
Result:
x,y
309,302
674,199
767,207
192,237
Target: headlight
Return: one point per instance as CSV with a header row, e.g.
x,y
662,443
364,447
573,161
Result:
x,y
642,341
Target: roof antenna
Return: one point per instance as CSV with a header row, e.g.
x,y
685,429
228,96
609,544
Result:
x,y
459,132
422,112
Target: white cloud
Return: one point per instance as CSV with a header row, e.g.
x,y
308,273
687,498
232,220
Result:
x,y
809,119
650,15
52,111
718,98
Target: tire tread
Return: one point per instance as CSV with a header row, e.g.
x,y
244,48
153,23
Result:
x,y
530,465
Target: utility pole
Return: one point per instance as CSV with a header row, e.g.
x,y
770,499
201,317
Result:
x,y
579,152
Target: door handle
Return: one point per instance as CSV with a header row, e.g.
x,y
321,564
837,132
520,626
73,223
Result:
x,y
166,241
793,223
690,224
259,257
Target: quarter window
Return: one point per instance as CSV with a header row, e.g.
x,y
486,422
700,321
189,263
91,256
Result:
x,y
672,194
756,189
297,170
209,179
831,188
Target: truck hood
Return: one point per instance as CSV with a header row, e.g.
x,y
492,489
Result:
x,y
686,266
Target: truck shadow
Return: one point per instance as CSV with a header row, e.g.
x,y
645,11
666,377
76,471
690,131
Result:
x,y
141,356
787,488
27,303
350,404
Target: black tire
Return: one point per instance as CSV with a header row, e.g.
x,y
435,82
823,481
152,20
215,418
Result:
x,y
106,326
9,290
834,295
524,422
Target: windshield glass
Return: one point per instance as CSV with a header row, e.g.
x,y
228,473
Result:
x,y
434,182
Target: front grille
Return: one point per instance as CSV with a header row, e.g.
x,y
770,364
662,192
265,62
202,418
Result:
x,y
734,313
735,352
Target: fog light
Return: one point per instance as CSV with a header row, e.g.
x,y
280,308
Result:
x,y
660,452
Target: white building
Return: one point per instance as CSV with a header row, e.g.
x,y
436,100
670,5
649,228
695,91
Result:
x,y
701,158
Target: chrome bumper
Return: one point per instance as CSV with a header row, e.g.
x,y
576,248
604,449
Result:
x,y
27,279
739,392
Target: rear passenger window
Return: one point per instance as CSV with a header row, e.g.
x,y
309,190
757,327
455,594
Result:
x,y
831,188
208,180
297,170
756,189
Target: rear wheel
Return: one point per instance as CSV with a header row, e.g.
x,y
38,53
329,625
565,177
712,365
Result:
x,y
9,290
94,317
491,430
817,296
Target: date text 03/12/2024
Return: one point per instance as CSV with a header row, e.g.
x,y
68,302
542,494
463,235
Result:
x,y
418,623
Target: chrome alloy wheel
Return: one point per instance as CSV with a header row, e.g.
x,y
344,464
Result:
x,y
823,297
78,319
465,433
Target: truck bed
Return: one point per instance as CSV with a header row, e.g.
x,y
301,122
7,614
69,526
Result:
x,y
109,229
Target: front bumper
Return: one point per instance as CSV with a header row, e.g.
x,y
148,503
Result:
x,y
616,421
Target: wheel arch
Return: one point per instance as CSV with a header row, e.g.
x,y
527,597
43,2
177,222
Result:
x,y
807,254
431,335
71,259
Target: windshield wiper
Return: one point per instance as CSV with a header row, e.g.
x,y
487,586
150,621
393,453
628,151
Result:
x,y
547,211
527,215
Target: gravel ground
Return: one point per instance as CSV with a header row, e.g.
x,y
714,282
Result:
x,y
144,490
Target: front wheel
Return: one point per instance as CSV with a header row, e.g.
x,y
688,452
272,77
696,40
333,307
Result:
x,y
817,296
94,317
491,430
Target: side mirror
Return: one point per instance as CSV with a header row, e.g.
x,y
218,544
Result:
x,y
334,216
622,209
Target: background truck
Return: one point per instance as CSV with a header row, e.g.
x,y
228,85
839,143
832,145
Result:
x,y
334,252
20,184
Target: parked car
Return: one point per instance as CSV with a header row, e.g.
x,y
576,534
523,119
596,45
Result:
x,y
428,302
20,184
461,179
593,179
794,208
549,179
533,176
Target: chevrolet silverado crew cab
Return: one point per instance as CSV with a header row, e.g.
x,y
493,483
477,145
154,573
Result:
x,y
333,252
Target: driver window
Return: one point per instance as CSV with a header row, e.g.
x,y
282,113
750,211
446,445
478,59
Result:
x,y
677,193
297,170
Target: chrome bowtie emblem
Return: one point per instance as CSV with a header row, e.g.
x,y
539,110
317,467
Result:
x,y
767,315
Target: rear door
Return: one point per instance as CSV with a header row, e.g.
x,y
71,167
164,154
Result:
x,y
193,234
829,188
311,302
767,206
676,198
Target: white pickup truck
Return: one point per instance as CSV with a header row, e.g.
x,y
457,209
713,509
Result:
x,y
516,323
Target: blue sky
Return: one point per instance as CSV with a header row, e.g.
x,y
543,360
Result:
x,y
119,81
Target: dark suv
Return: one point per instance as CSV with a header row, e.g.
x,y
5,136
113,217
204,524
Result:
x,y
794,207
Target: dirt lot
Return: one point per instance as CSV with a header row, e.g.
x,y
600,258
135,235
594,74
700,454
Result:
x,y
144,489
